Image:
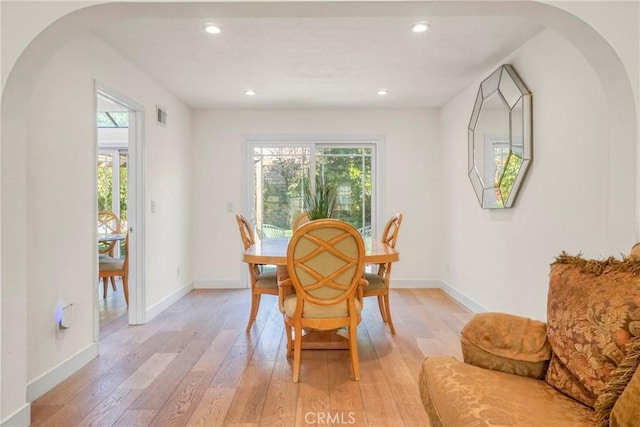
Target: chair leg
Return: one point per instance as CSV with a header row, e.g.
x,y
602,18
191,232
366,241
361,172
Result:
x,y
287,329
353,350
297,349
388,314
125,288
113,283
255,303
383,312
105,285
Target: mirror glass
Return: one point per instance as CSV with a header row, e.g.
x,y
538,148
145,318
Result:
x,y
500,138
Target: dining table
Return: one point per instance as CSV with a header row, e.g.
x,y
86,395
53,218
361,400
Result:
x,y
273,251
110,237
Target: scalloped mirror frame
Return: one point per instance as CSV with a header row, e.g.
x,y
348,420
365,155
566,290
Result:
x,y
500,138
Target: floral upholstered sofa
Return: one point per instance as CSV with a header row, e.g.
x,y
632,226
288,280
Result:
x,y
577,369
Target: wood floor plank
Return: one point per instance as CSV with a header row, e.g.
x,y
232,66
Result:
x,y
111,408
193,364
380,405
80,401
213,357
148,371
136,418
313,388
159,391
249,399
213,408
180,406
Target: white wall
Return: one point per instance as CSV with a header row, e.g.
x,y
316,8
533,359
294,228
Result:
x,y
24,22
61,251
500,259
411,181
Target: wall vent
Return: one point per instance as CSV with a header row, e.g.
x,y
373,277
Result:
x,y
161,116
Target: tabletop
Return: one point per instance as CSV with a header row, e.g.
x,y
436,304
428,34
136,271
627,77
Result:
x,y
274,251
110,237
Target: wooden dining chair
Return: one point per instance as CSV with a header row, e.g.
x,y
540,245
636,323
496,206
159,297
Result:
x,y
325,259
108,223
261,282
110,267
302,218
379,281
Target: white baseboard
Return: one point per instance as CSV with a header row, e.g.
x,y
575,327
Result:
x,y
64,370
20,418
159,307
462,298
219,284
415,284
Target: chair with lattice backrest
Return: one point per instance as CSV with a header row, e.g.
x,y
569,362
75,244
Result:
x,y
261,282
302,218
116,267
379,281
325,259
108,223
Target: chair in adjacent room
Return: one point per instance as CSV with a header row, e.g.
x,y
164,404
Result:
x,y
323,292
108,223
302,218
110,267
379,281
261,282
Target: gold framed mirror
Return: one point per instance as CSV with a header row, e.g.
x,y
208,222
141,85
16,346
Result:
x,y
500,138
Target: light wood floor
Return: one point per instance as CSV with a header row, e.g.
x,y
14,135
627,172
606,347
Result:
x,y
194,365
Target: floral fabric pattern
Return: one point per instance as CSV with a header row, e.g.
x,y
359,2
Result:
x,y
462,395
592,315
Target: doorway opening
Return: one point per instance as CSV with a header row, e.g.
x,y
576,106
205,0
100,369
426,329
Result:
x,y
119,194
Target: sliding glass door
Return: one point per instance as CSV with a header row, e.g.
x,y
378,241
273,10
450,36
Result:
x,y
279,172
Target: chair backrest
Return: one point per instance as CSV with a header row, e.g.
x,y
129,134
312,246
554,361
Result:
x,y
390,237
248,239
325,260
108,223
635,251
390,233
303,218
246,231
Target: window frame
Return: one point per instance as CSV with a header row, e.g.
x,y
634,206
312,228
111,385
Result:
x,y
375,142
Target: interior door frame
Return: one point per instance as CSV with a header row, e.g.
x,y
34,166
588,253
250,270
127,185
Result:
x,y
135,203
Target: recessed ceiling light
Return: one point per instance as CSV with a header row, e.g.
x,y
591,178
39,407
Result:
x,y
212,29
420,27
383,92
249,92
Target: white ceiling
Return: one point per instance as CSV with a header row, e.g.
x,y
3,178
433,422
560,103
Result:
x,y
317,62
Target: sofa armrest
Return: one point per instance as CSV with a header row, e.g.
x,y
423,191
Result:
x,y
507,343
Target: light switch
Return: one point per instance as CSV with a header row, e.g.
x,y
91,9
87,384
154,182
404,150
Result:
x,y
229,207
153,206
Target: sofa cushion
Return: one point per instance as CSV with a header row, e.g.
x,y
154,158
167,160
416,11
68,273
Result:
x,y
591,307
506,343
459,394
